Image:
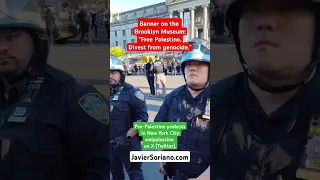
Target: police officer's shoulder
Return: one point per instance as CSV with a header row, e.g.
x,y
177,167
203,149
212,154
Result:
x,y
224,91
91,101
67,82
128,86
135,91
178,91
57,76
86,97
226,84
314,84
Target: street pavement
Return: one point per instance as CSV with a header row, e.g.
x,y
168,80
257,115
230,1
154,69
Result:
x,y
224,62
90,65
154,104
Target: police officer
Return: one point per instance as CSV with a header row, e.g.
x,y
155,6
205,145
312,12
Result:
x,y
150,76
190,103
159,77
128,105
262,115
51,127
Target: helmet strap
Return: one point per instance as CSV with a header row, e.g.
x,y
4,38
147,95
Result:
x,y
122,77
287,88
272,89
198,89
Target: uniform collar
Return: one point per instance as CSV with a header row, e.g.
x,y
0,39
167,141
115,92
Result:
x,y
116,89
204,94
19,83
15,91
252,105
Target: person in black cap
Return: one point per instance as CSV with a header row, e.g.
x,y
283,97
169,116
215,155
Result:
x,y
150,76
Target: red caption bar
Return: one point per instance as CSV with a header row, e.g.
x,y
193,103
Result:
x,y
159,35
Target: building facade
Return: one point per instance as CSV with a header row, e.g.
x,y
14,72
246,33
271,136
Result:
x,y
195,16
122,23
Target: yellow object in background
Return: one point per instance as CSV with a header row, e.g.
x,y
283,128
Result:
x,y
145,59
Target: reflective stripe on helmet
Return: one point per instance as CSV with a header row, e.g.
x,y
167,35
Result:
x,y
116,68
199,53
115,64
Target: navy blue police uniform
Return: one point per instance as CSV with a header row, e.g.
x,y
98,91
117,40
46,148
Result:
x,y
150,77
180,106
128,105
53,128
249,144
252,145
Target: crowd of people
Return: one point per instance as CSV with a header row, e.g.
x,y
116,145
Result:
x,y
169,68
156,73
88,18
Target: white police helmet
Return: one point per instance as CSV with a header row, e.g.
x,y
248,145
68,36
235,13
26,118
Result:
x,y
25,15
116,64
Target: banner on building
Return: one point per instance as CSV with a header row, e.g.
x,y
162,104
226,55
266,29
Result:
x,y
187,24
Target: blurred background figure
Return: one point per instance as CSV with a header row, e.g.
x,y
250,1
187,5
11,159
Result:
x,y
77,11
160,78
107,22
174,67
85,23
93,15
150,76
49,18
220,28
165,68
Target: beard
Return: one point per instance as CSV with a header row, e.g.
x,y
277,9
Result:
x,y
115,83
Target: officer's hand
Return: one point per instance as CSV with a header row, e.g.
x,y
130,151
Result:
x,y
162,170
122,142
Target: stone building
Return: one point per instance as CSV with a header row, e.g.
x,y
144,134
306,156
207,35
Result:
x,y
122,23
195,15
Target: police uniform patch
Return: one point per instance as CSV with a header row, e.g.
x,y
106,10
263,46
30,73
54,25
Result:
x,y
310,160
206,114
139,95
95,106
202,123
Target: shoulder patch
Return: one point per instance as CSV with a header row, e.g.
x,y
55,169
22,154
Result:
x,y
95,106
139,95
